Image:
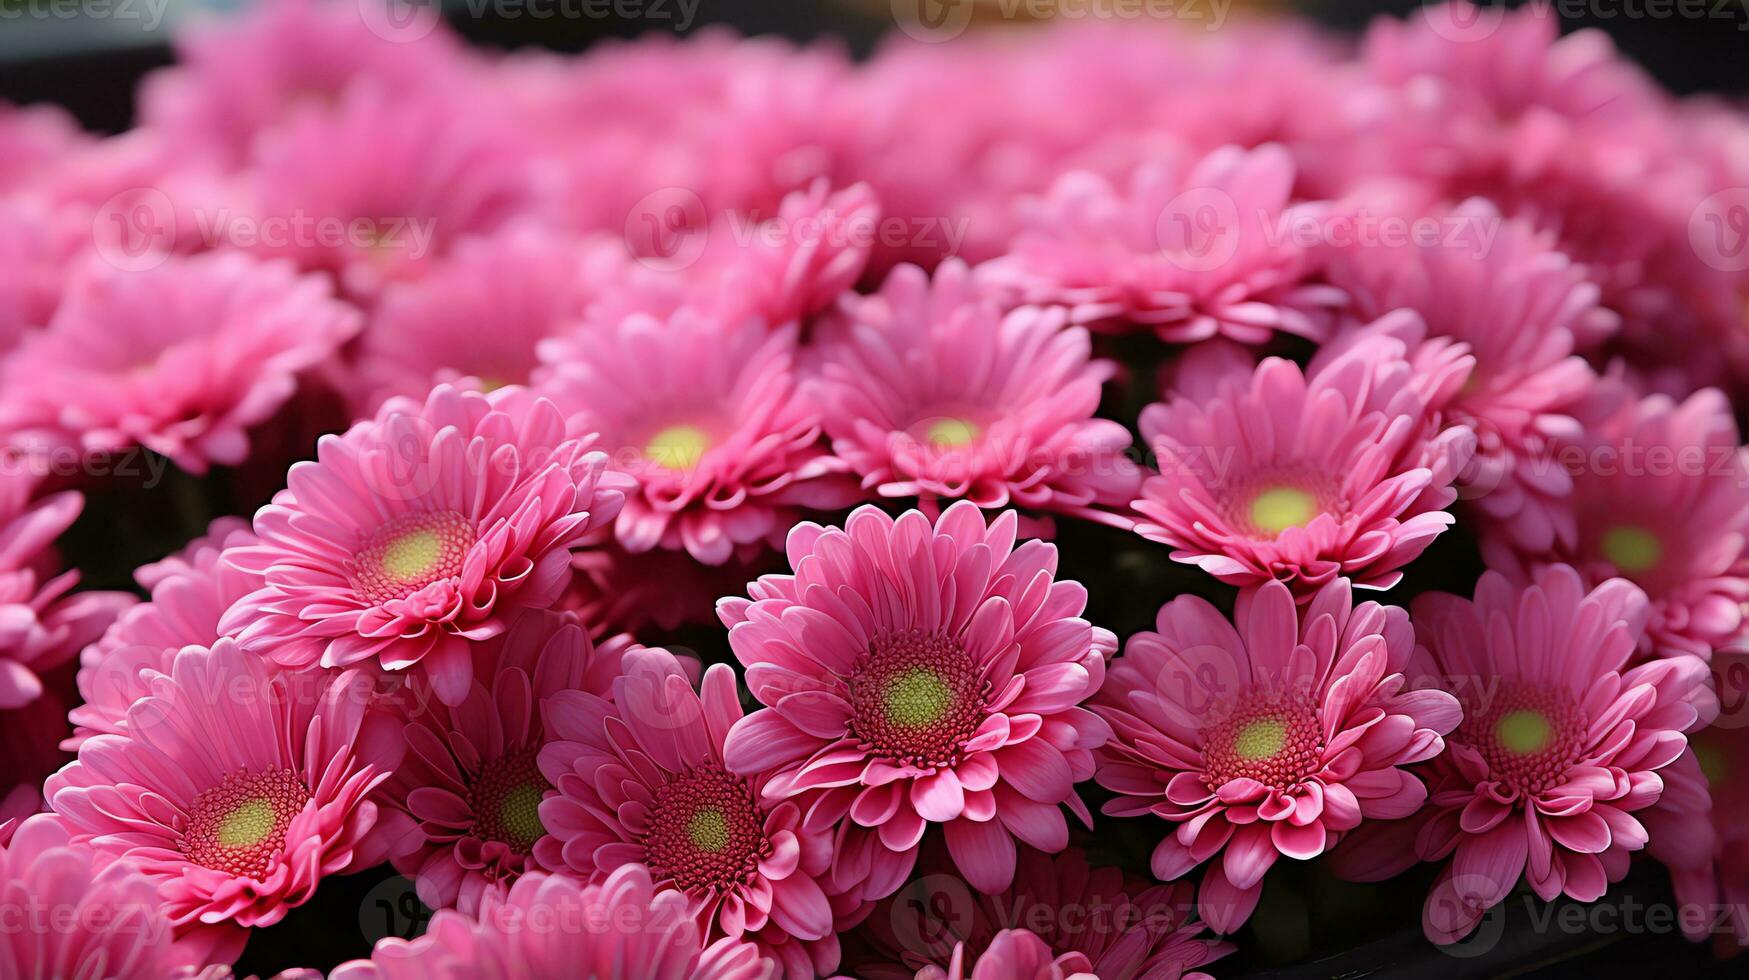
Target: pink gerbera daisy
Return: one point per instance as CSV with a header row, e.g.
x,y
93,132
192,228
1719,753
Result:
x,y
554,926
43,622
1660,497
1303,477
1193,250
72,912
708,419
378,186
236,788
190,592
182,359
916,674
1274,738
1559,748
460,814
641,779
930,391
1013,954
1517,306
1129,928
618,592
33,140
482,312
238,76
419,532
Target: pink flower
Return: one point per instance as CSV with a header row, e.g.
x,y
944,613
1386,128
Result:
x,y
1275,738
419,532
182,359
481,312
640,779
707,418
916,675
617,592
780,268
71,912
35,139
552,926
459,815
1304,477
235,788
1193,250
930,391
190,592
1660,497
36,274
43,622
378,186
1126,927
1560,745
1697,828
238,76
1517,306
1014,954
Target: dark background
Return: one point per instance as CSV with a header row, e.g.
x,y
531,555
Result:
x,y
92,70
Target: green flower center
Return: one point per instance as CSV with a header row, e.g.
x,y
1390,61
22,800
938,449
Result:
x,y
248,824
678,447
1632,549
918,697
411,555
520,814
1524,731
1279,508
1261,739
708,829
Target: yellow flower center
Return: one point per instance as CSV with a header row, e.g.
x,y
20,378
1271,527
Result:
x,y
678,447
247,824
918,697
951,433
1261,739
411,556
1632,549
1524,731
1279,508
708,830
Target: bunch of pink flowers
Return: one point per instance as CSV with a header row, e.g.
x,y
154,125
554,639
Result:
x,y
712,508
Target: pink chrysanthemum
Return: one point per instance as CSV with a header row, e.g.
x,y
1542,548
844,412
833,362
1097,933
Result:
x,y
708,419
1280,475
190,592
1560,745
1127,927
916,675
1697,828
930,391
182,359
419,532
377,187
641,779
43,622
482,312
617,592
238,76
554,926
780,268
1516,305
1660,497
459,816
236,788
1274,738
72,912
1192,251
1014,954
